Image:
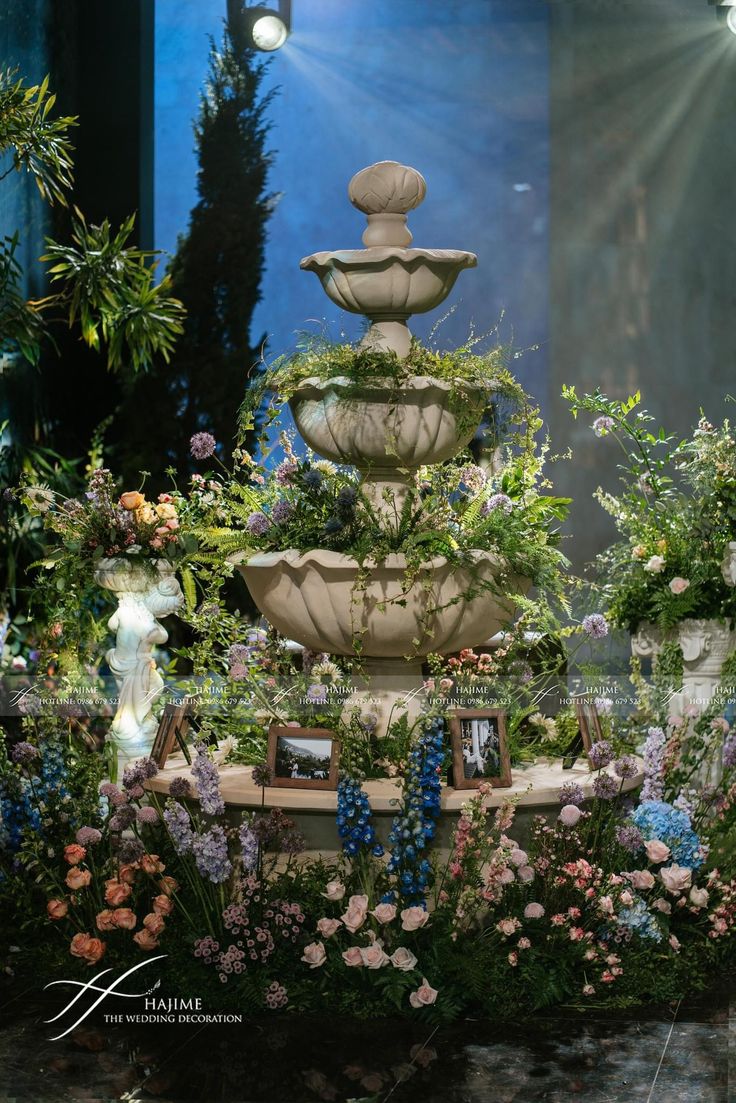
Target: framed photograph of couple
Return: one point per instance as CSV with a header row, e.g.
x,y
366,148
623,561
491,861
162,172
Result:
x,y
302,758
480,751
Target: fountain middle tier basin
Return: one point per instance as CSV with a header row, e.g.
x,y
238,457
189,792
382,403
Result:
x,y
314,597
383,425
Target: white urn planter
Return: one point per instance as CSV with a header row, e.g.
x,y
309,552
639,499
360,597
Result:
x,y
648,641
728,566
145,592
705,646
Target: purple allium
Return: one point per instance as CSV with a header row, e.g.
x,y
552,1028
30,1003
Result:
x,y
285,472
595,625
293,842
211,855
571,793
630,838
202,446
248,846
474,477
497,501
258,524
601,754
626,767
88,836
124,817
130,850
238,672
147,815
113,794
654,749
281,511
180,788
605,787
238,653
137,772
24,753
729,751
317,694
179,826
207,780
262,775
603,425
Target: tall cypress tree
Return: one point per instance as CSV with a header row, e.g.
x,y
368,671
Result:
x,y
216,271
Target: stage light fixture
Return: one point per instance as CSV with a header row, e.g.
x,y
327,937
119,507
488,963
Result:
x,y
269,28
726,12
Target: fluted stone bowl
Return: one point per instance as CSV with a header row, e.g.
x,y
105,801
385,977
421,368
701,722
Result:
x,y
311,597
383,425
388,281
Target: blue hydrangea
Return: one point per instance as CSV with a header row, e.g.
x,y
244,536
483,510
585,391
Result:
x,y
354,816
638,920
414,827
658,820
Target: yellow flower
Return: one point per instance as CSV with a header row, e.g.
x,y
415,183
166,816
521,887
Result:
x,y
146,515
166,511
638,551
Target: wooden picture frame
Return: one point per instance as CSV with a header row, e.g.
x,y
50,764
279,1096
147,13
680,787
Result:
x,y
462,729
589,722
285,766
175,722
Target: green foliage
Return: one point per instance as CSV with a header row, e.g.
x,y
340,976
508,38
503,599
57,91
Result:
x,y
37,143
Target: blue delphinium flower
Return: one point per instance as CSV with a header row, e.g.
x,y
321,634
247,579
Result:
x,y
179,826
658,820
35,781
354,816
207,778
414,827
249,846
211,855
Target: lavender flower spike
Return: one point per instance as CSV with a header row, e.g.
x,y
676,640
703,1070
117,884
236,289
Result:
x,y
207,779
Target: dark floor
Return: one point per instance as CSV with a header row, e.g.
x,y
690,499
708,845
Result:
x,y
679,1054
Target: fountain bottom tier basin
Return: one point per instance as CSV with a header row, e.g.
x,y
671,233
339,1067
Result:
x,y
535,787
328,602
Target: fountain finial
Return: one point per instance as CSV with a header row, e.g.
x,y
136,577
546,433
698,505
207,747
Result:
x,y
385,193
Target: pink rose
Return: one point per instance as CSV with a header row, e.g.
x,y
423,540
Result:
x,y
606,905
78,878
116,893
642,879
86,947
699,897
679,585
163,904
327,927
674,942
74,854
353,918
384,913
374,956
507,926
168,885
403,959
570,815
525,874
533,911
424,995
627,899
145,939
150,863
662,905
124,918
334,890
105,921
676,878
353,956
414,918
657,851
153,922
314,955
57,909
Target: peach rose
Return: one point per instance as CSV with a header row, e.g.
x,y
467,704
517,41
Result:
x,y
657,851
414,918
78,878
424,995
642,879
168,885
384,913
105,920
154,923
132,499
352,957
166,511
374,956
334,890
127,873
163,904
116,893
676,878
150,863
314,955
327,927
145,939
403,959
699,897
146,514
57,909
86,947
74,854
124,918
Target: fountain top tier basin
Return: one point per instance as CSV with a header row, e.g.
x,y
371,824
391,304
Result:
x,y
388,281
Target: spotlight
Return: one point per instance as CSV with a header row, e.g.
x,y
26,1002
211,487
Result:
x,y
731,21
726,12
269,29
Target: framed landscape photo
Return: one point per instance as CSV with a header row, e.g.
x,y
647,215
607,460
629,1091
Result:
x,y
480,750
302,758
